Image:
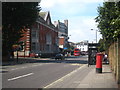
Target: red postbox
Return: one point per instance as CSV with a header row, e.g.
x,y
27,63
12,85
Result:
x,y
99,58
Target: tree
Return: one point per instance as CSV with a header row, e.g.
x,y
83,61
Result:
x,y
101,48
16,16
108,21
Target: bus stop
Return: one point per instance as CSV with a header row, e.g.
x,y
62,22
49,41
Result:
x,y
92,51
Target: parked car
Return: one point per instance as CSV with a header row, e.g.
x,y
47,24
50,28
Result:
x,y
59,56
105,59
32,55
83,53
35,55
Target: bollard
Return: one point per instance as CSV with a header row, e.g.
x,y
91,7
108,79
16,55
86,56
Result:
x,y
99,58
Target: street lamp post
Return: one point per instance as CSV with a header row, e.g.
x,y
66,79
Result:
x,y
96,35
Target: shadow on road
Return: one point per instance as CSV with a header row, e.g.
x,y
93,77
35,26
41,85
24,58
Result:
x,y
62,61
3,71
71,59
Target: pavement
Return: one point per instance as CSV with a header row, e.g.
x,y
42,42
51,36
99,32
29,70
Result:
x,y
92,79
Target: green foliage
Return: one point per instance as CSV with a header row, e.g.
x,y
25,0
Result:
x,y
16,16
109,22
101,48
70,47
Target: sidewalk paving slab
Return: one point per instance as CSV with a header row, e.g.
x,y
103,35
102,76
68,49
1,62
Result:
x,y
91,79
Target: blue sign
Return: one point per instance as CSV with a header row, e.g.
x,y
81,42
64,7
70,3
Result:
x,y
65,48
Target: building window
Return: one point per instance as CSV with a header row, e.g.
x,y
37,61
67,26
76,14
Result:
x,y
83,49
27,39
48,39
33,46
28,36
33,34
47,48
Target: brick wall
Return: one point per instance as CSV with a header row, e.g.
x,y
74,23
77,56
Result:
x,y
61,41
42,39
26,42
114,58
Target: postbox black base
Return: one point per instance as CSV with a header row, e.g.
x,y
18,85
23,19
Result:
x,y
98,70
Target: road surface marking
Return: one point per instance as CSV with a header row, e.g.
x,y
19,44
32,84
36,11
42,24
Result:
x,y
26,67
30,66
18,68
23,67
75,64
20,77
14,69
62,78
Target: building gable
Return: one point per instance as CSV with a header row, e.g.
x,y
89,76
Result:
x,y
46,17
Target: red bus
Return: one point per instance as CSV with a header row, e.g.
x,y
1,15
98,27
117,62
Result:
x,y
76,52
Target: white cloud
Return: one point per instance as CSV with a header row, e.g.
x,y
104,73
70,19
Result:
x,y
47,3
52,3
73,10
63,6
80,29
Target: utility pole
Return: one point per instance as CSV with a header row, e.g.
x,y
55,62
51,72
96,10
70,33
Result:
x,y
96,35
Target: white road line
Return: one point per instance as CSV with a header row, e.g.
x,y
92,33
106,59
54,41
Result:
x,y
23,67
18,68
26,67
61,79
15,69
29,66
37,65
20,77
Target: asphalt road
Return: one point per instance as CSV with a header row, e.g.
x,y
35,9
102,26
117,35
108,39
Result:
x,y
41,73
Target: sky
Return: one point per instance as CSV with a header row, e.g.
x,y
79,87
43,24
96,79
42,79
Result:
x,y
80,15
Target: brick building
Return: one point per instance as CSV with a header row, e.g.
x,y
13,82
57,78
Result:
x,y
42,37
24,44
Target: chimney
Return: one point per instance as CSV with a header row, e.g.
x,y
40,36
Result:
x,y
66,22
55,23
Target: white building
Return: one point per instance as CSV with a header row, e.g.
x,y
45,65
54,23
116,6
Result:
x,y
83,46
